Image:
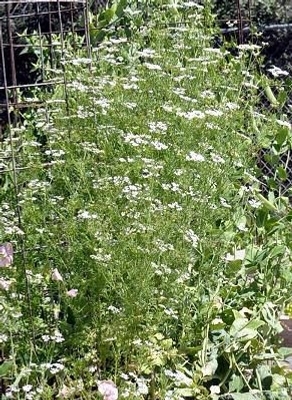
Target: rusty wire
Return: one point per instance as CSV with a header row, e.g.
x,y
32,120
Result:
x,y
11,87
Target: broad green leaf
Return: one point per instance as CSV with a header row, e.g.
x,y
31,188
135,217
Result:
x,y
285,351
277,251
282,135
114,8
241,222
261,217
217,325
238,324
106,15
269,316
146,369
190,350
255,324
120,8
282,174
236,383
268,204
244,330
5,368
270,95
246,334
282,97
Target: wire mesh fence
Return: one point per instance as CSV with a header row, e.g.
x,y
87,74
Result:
x,y
36,38
272,165
28,32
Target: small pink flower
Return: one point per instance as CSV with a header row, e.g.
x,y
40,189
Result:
x,y
72,293
56,276
108,390
6,254
65,392
5,283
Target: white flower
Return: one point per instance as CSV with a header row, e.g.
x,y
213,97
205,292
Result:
x,y
212,50
192,156
72,293
3,338
238,255
27,388
283,123
193,4
142,388
217,159
276,72
130,86
254,204
5,283
158,145
232,106
215,389
147,53
167,107
130,105
114,309
241,227
118,41
207,94
170,312
174,206
154,67
108,390
249,47
55,367
57,337
214,113
181,378
86,215
169,373
124,376
157,127
103,102
55,152
6,254
56,276
78,61
191,237
163,247
46,338
224,203
191,114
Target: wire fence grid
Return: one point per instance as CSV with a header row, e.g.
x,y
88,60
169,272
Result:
x,y
273,170
46,26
